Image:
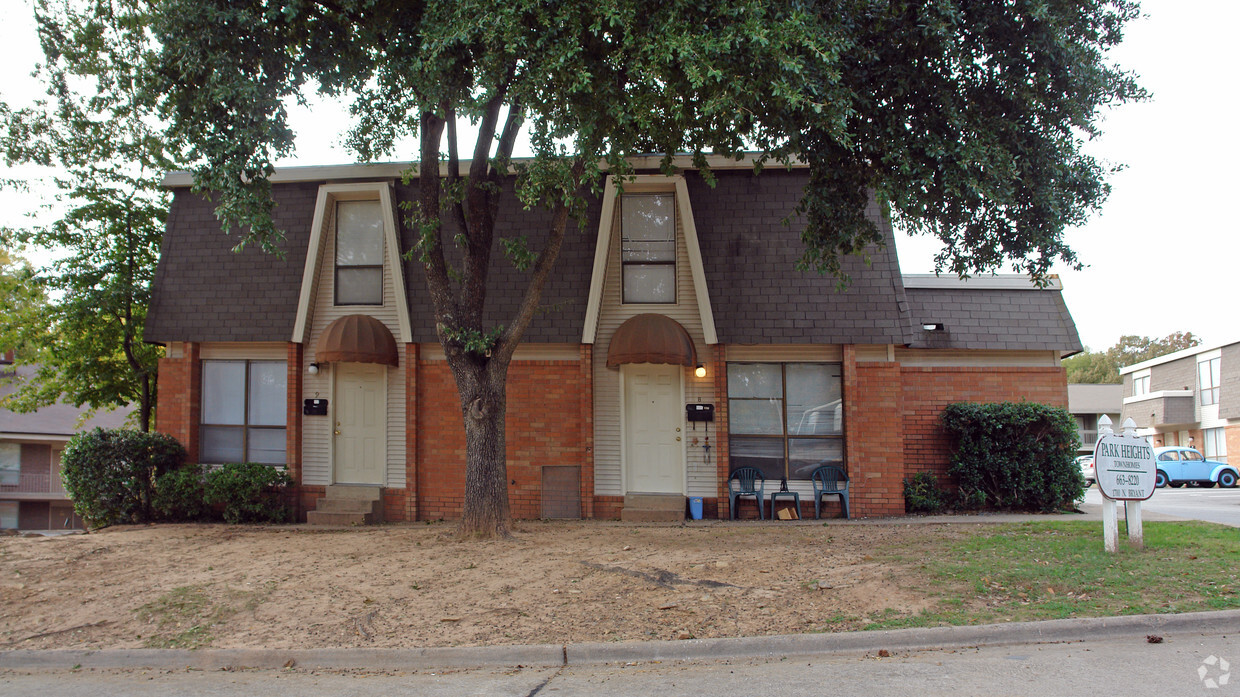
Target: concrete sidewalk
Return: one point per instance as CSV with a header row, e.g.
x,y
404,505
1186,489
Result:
x,y
551,655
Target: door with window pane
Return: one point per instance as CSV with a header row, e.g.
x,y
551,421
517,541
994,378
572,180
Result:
x,y
361,423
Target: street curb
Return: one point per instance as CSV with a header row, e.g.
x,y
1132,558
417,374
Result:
x,y
540,655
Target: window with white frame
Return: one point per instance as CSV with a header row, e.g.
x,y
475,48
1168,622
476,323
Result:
x,y
1215,445
648,248
1208,380
10,464
243,411
359,253
1140,384
786,419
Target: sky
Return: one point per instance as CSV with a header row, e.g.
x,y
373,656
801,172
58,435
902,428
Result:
x,y
1160,254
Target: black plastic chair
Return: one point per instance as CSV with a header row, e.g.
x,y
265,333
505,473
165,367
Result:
x,y
829,480
749,482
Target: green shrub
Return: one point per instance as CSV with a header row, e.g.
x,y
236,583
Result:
x,y
179,494
249,492
1014,455
923,495
110,474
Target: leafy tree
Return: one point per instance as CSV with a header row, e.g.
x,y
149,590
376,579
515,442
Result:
x,y
965,119
96,133
1102,367
22,299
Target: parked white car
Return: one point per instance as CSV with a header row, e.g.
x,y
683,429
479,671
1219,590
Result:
x,y
1086,463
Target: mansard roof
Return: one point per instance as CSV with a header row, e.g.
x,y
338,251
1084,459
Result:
x,y
750,243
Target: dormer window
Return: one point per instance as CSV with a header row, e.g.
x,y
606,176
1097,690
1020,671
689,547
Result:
x,y
648,248
359,253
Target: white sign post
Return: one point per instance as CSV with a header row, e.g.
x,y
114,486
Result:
x,y
1125,471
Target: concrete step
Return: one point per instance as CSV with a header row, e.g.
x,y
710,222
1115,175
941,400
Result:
x,y
655,502
330,518
653,508
349,505
645,515
354,491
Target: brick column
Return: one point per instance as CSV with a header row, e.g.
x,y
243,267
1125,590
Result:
x,y
873,436
586,439
292,422
719,374
411,431
180,389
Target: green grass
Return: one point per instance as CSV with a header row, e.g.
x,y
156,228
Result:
x,y
1039,571
184,617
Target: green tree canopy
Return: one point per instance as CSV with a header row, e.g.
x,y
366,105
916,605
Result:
x,y
1102,367
97,135
965,119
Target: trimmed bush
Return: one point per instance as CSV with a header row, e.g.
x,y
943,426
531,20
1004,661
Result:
x,y
110,474
249,492
1014,455
923,495
179,493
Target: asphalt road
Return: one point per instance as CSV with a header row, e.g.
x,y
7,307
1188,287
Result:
x,y
1213,505
1129,666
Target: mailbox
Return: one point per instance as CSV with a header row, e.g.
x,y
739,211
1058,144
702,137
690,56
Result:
x,y
699,412
314,407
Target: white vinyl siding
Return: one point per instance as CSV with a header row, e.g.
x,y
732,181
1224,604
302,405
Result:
x,y
317,430
700,464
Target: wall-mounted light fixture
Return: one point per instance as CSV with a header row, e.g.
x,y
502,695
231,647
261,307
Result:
x,y
313,369
700,371
933,326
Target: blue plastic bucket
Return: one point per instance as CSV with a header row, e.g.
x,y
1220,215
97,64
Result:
x,y
695,507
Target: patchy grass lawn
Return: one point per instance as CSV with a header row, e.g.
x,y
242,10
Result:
x,y
1039,571
191,586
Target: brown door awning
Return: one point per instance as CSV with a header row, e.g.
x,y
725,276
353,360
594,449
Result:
x,y
357,339
651,338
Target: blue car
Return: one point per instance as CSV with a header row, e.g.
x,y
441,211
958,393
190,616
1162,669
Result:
x,y
1179,466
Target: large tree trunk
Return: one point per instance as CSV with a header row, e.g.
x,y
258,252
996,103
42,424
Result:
x,y
483,405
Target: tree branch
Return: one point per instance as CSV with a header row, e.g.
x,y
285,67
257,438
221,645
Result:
x,y
430,227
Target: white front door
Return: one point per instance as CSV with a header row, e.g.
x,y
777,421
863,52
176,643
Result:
x,y
361,423
653,429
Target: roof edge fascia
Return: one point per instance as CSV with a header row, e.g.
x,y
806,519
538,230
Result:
x,y
1182,353
990,282
396,170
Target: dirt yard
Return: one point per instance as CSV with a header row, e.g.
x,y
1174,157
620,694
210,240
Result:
x,y
417,586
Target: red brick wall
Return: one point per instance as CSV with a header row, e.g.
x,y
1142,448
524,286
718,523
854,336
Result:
x,y
546,416
1232,434
292,419
411,509
179,398
719,373
873,436
928,390
608,507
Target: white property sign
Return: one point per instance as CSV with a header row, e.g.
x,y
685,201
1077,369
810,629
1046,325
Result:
x,y
1124,467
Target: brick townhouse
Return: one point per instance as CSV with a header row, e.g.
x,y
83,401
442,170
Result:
x,y
674,297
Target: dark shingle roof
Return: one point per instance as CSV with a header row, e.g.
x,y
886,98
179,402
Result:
x,y
977,315
757,294
203,291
